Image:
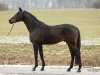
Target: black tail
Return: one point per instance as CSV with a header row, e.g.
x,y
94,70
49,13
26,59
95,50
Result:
x,y
78,46
79,40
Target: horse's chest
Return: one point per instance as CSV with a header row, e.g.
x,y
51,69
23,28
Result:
x,y
36,37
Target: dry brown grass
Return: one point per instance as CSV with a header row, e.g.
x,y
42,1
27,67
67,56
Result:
x,y
53,54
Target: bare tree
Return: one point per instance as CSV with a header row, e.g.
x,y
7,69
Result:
x,y
51,4
96,4
3,7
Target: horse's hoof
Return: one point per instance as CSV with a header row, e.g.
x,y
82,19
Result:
x,y
33,69
42,69
78,70
68,70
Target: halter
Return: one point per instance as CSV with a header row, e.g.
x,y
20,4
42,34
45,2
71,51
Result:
x,y
22,14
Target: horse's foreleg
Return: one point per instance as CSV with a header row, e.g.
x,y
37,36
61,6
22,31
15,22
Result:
x,y
35,56
42,57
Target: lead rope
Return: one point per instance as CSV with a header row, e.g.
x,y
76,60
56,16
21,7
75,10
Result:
x,y
7,34
10,30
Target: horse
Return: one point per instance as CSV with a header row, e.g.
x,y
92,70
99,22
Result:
x,y
43,34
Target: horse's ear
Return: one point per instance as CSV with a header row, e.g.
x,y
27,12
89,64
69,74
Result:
x,y
20,9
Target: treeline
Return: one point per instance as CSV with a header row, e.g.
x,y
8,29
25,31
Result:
x,y
50,4
3,7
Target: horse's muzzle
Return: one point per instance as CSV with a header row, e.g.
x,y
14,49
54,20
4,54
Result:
x,y
10,22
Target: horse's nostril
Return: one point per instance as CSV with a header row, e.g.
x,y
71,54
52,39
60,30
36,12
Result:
x,y
10,21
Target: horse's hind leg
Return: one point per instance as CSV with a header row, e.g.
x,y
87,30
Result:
x,y
42,57
77,57
72,59
75,53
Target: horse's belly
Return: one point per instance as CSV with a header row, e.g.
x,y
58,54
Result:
x,y
53,40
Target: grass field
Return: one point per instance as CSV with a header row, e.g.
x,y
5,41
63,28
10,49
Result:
x,y
87,20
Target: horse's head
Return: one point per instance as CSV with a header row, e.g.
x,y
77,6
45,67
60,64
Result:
x,y
17,17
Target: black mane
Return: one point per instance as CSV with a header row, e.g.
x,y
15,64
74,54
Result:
x,y
31,21
30,15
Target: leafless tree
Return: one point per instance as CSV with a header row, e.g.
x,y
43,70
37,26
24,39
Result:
x,y
3,7
96,4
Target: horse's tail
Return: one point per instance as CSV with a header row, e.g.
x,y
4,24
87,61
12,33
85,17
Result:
x,y
79,40
78,46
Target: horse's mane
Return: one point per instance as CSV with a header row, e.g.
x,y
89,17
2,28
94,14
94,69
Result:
x,y
32,16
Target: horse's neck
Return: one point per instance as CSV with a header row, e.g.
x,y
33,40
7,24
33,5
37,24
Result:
x,y
31,23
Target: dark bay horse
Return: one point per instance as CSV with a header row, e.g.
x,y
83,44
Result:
x,y
41,34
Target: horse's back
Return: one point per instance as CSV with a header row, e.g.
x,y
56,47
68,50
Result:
x,y
69,27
